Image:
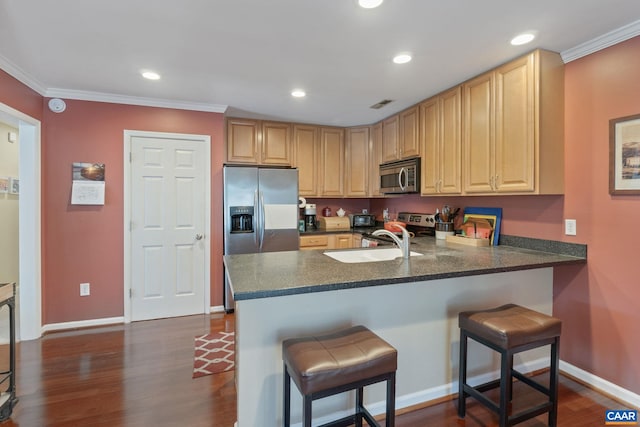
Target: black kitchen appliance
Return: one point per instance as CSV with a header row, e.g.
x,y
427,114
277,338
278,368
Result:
x,y
362,220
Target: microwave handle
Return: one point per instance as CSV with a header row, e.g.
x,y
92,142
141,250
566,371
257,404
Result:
x,y
406,179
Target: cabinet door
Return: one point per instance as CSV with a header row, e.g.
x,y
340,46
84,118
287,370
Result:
x,y
340,241
331,162
450,142
375,152
357,240
305,148
409,144
479,113
390,135
357,162
276,143
314,242
430,166
242,141
515,126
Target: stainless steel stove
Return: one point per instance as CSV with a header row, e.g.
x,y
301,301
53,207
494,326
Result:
x,y
422,224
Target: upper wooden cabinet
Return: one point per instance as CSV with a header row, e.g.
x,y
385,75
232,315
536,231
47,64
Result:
x,y
357,163
440,135
258,143
513,128
400,136
409,142
375,158
331,172
306,157
390,138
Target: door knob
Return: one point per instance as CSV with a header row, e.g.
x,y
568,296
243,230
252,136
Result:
x,y
199,236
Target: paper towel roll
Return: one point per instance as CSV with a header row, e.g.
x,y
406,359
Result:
x,y
302,202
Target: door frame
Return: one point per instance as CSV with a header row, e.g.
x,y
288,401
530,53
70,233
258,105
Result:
x,y
206,140
29,298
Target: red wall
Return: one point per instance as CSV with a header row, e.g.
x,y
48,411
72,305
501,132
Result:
x,y
598,303
85,243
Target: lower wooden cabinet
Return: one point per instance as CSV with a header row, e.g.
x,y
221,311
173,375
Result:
x,y
331,241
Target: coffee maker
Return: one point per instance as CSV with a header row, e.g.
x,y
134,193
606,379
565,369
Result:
x,y
310,217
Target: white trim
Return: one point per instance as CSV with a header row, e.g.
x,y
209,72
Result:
x,y
82,324
609,39
427,395
133,100
206,139
216,309
29,289
16,72
626,396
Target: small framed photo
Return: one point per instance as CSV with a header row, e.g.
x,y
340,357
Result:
x,y
624,155
4,184
14,186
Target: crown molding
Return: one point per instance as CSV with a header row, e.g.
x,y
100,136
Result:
x,y
133,100
16,72
609,39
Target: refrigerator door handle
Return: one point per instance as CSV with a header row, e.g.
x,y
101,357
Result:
x,y
262,220
255,219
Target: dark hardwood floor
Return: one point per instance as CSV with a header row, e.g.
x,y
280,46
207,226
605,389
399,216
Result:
x,y
141,375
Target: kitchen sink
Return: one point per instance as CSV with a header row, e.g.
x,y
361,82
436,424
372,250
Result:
x,y
367,255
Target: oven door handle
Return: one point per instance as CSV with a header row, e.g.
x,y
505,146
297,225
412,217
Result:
x,y
406,178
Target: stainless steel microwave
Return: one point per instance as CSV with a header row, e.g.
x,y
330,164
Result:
x,y
400,177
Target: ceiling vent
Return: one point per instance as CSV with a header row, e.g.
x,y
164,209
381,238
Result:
x,y
381,104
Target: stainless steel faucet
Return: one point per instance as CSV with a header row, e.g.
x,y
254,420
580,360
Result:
x,y
403,243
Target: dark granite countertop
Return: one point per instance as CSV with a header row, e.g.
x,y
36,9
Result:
x,y
274,274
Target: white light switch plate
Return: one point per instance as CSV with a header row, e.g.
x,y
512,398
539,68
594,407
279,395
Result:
x,y
570,227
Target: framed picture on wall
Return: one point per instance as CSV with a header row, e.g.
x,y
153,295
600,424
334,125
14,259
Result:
x,y
14,187
4,184
624,155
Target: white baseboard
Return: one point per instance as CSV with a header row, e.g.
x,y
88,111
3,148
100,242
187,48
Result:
x,y
599,384
216,309
431,394
82,324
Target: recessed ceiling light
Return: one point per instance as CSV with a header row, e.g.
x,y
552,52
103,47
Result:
x,y
402,58
369,4
298,93
523,38
151,75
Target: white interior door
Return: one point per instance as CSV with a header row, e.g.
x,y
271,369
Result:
x,y
168,215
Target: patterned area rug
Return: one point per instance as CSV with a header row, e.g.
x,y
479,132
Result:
x,y
214,353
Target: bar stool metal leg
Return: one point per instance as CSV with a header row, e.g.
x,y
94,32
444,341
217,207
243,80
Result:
x,y
462,375
553,382
391,401
286,414
359,406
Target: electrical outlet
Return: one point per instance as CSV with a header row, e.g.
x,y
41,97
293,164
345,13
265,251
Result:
x,y
85,289
570,227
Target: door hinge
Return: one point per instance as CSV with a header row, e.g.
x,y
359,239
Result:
x,y
130,293
130,157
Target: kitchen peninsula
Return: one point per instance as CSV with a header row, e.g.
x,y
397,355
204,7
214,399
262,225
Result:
x,y
413,304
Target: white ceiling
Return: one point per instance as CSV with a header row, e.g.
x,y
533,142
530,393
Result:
x,y
248,55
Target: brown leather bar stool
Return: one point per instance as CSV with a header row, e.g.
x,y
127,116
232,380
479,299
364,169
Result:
x,y
510,329
350,359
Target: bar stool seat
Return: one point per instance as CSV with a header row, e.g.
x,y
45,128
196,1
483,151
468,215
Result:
x,y
349,359
510,329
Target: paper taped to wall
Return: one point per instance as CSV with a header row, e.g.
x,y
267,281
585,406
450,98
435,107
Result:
x,y
87,193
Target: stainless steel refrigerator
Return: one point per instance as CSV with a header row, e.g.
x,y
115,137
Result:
x,y
260,213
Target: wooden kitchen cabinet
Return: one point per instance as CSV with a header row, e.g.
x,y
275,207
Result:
x,y
513,128
400,136
409,142
357,162
440,135
306,158
375,158
256,142
315,241
390,138
341,241
330,241
331,172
